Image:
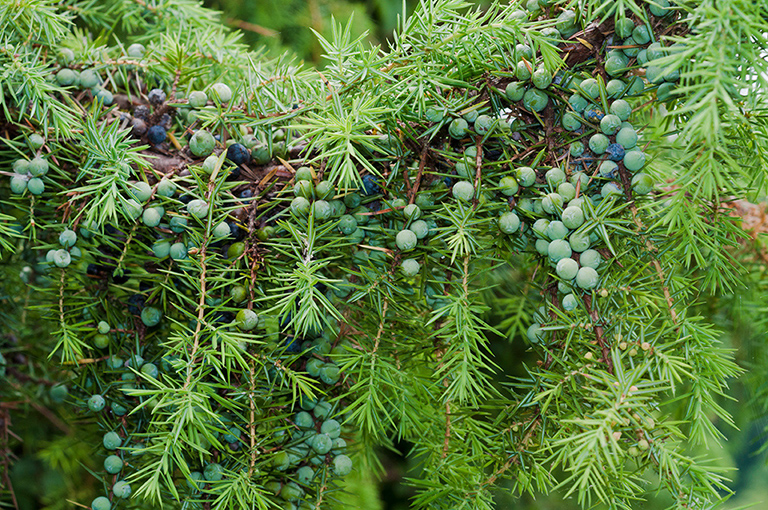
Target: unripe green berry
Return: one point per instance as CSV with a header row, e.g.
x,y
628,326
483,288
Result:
x,y
642,183
247,319
197,99
221,93
222,230
18,184
412,212
535,100
322,443
38,167
121,489
96,403
541,78
113,464
101,341
67,238
101,503
152,216
198,208
410,267
202,143
570,302
567,269
132,209
509,223
463,190
559,249
213,472
178,251
62,258
342,465
587,278
458,128
166,188
406,240
151,316
573,217
111,440
36,186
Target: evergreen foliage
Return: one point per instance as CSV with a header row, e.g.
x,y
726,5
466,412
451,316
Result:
x,y
239,278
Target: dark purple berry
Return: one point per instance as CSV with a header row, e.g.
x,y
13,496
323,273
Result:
x,y
141,112
156,135
120,279
139,126
292,344
136,303
185,199
370,185
246,193
593,115
234,173
238,154
615,152
237,233
156,97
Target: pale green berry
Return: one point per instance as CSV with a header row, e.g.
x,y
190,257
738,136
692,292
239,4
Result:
x,y
463,190
111,440
541,78
96,403
121,489
18,184
509,223
67,238
410,267
558,250
152,216
642,183
590,258
151,316
202,143
62,258
101,503
38,167
197,99
222,230
221,92
36,186
247,319
322,443
567,269
166,188
342,465
634,160
587,278
113,464
198,208
406,240
573,217
132,209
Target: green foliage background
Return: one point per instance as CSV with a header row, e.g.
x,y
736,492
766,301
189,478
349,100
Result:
x,y
50,468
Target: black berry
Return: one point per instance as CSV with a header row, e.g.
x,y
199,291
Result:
x,y
156,97
238,154
156,135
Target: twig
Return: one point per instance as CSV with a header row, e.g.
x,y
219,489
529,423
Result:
x,y
422,162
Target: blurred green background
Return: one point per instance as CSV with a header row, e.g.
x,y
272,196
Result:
x,y
51,467
281,25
